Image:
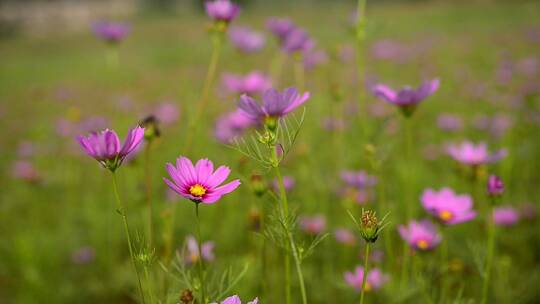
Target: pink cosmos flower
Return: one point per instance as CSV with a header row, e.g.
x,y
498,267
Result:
x,y
252,83
112,32
447,206
407,98
313,224
374,281
222,10
421,235
236,300
193,251
105,146
232,125
288,181
345,236
199,183
505,216
275,104
470,154
246,39
495,185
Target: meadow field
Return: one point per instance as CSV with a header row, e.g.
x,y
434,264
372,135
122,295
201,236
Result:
x,y
311,167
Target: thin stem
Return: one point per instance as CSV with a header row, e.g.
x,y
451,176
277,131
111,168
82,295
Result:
x,y
408,185
285,209
201,265
149,283
489,259
148,188
360,54
298,268
444,265
112,57
122,211
364,276
208,82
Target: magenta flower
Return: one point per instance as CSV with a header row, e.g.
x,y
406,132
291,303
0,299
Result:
x,y
505,216
313,224
407,98
236,300
374,281
112,32
421,235
495,185
288,182
246,40
280,27
105,146
253,83
447,206
345,236
193,251
232,125
274,104
199,183
222,10
470,154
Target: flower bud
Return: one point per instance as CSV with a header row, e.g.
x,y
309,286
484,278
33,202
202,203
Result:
x,y
258,185
151,128
495,186
370,226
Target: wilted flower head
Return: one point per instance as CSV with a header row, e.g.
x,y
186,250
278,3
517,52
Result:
x,y
495,185
407,98
280,27
232,125
24,170
112,32
421,235
199,183
222,10
360,179
447,206
288,183
274,105
505,216
375,278
236,300
345,236
245,39
193,255
105,146
313,224
252,83
470,154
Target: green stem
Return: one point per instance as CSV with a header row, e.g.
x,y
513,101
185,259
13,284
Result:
x,y
444,266
208,82
489,259
361,66
148,188
201,265
364,277
149,283
407,183
122,211
112,57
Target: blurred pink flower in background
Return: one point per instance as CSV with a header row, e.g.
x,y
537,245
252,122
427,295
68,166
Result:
x,y
280,27
345,236
314,58
312,224
232,125
167,113
24,170
420,235
83,255
472,154
222,10
245,39
111,32
447,206
333,124
375,279
406,98
193,255
26,149
449,122
505,216
252,83
288,182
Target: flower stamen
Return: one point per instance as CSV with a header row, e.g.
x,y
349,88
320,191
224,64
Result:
x,y
197,190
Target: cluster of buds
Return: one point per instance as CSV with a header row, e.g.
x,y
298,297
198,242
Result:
x,y
495,186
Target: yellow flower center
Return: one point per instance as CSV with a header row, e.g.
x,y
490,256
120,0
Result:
x,y
197,190
446,215
422,244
